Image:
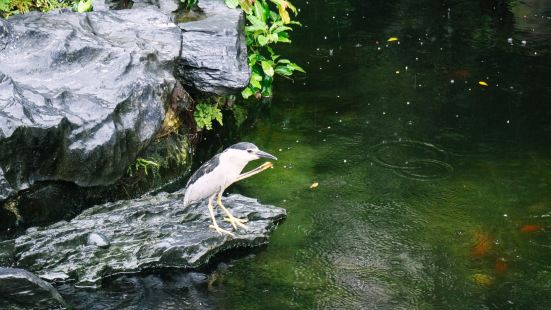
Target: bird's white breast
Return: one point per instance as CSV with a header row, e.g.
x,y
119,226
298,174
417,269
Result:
x,y
213,182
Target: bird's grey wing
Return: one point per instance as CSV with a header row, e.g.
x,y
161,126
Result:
x,y
205,168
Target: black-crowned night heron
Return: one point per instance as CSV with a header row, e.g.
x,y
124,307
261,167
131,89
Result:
x,y
219,172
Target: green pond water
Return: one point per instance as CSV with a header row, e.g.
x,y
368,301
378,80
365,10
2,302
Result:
x,y
434,191
454,210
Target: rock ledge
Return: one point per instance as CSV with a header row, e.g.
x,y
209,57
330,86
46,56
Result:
x,y
146,233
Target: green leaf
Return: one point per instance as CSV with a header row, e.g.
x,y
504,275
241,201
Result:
x,y
256,21
217,114
274,16
232,3
282,28
273,37
204,115
252,58
255,28
283,37
268,68
294,66
283,70
255,80
255,84
247,92
259,11
262,40
5,5
84,6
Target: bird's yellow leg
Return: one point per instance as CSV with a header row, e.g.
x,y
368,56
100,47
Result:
x,y
256,170
234,221
214,224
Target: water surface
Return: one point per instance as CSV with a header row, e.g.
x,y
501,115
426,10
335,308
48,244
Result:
x,y
434,190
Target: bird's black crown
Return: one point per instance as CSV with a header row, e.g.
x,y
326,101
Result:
x,y
243,146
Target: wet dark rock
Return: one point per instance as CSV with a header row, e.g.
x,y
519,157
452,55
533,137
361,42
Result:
x,y
21,289
7,252
214,52
167,289
146,233
81,94
5,188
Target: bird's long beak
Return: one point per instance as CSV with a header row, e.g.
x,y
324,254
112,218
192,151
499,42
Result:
x,y
265,155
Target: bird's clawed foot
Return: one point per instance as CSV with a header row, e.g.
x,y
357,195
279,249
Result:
x,y
234,221
221,231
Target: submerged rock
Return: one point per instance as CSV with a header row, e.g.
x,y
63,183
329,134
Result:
x,y
21,289
81,94
146,233
214,51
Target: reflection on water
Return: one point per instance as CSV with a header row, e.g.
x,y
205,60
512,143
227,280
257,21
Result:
x,y
452,212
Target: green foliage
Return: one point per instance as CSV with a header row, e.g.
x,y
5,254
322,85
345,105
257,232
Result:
x,y
147,165
205,113
189,4
11,7
268,23
83,6
5,6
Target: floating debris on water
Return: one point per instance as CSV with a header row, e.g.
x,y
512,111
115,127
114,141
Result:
x,y
314,185
482,83
392,39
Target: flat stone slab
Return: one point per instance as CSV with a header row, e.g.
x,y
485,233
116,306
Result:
x,y
81,94
214,51
146,233
20,289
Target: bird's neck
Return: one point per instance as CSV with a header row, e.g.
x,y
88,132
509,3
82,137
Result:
x,y
235,162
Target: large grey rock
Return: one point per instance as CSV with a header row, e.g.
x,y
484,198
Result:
x,y
167,6
20,289
81,94
214,51
146,233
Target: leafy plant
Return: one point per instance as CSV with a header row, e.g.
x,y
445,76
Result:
x,y
147,165
5,5
189,4
11,7
204,115
83,6
266,26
